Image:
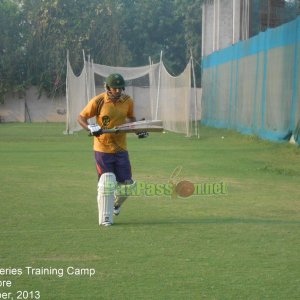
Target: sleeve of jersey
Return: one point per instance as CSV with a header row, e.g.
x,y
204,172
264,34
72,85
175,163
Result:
x,y
130,113
90,110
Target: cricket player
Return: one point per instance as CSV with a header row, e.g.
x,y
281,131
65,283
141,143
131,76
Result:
x,y
111,108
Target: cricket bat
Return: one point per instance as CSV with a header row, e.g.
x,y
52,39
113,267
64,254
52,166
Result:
x,y
135,127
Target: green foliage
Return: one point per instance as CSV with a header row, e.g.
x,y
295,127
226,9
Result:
x,y
12,55
152,26
37,34
52,27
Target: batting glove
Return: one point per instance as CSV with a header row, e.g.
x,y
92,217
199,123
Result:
x,y
142,134
95,129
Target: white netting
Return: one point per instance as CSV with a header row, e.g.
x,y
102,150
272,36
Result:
x,y
172,107
253,86
156,94
76,97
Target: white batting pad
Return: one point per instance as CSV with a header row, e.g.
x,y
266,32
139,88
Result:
x,y
105,198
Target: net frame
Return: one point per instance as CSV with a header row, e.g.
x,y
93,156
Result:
x,y
169,98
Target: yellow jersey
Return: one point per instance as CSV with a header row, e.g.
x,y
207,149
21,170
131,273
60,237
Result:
x,y
108,115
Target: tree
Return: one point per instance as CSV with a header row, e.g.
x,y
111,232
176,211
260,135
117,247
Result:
x,y
152,27
105,43
192,21
11,50
51,27
173,27
37,35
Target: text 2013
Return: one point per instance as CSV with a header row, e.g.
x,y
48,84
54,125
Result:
x,y
28,295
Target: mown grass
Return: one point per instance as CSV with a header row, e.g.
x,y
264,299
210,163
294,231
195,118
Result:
x,y
240,245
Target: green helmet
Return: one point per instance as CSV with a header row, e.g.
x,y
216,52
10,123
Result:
x,y
115,81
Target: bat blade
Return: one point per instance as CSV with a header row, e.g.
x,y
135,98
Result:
x,y
142,123
135,129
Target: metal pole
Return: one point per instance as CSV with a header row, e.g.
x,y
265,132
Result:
x,y
195,96
86,79
233,21
158,88
203,28
218,25
67,96
214,28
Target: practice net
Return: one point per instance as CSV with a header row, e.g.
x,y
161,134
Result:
x,y
156,94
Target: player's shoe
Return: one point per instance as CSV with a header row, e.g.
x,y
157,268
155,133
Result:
x,y
106,224
117,210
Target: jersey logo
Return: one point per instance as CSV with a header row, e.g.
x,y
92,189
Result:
x,y
105,121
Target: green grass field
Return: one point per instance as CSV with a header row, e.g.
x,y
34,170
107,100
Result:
x,y
240,245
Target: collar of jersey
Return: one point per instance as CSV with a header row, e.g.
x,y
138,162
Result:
x,y
121,100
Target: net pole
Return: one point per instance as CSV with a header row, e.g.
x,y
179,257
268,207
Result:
x,y
158,88
203,27
67,96
93,78
293,111
152,85
218,25
214,27
86,78
195,95
233,21
88,86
